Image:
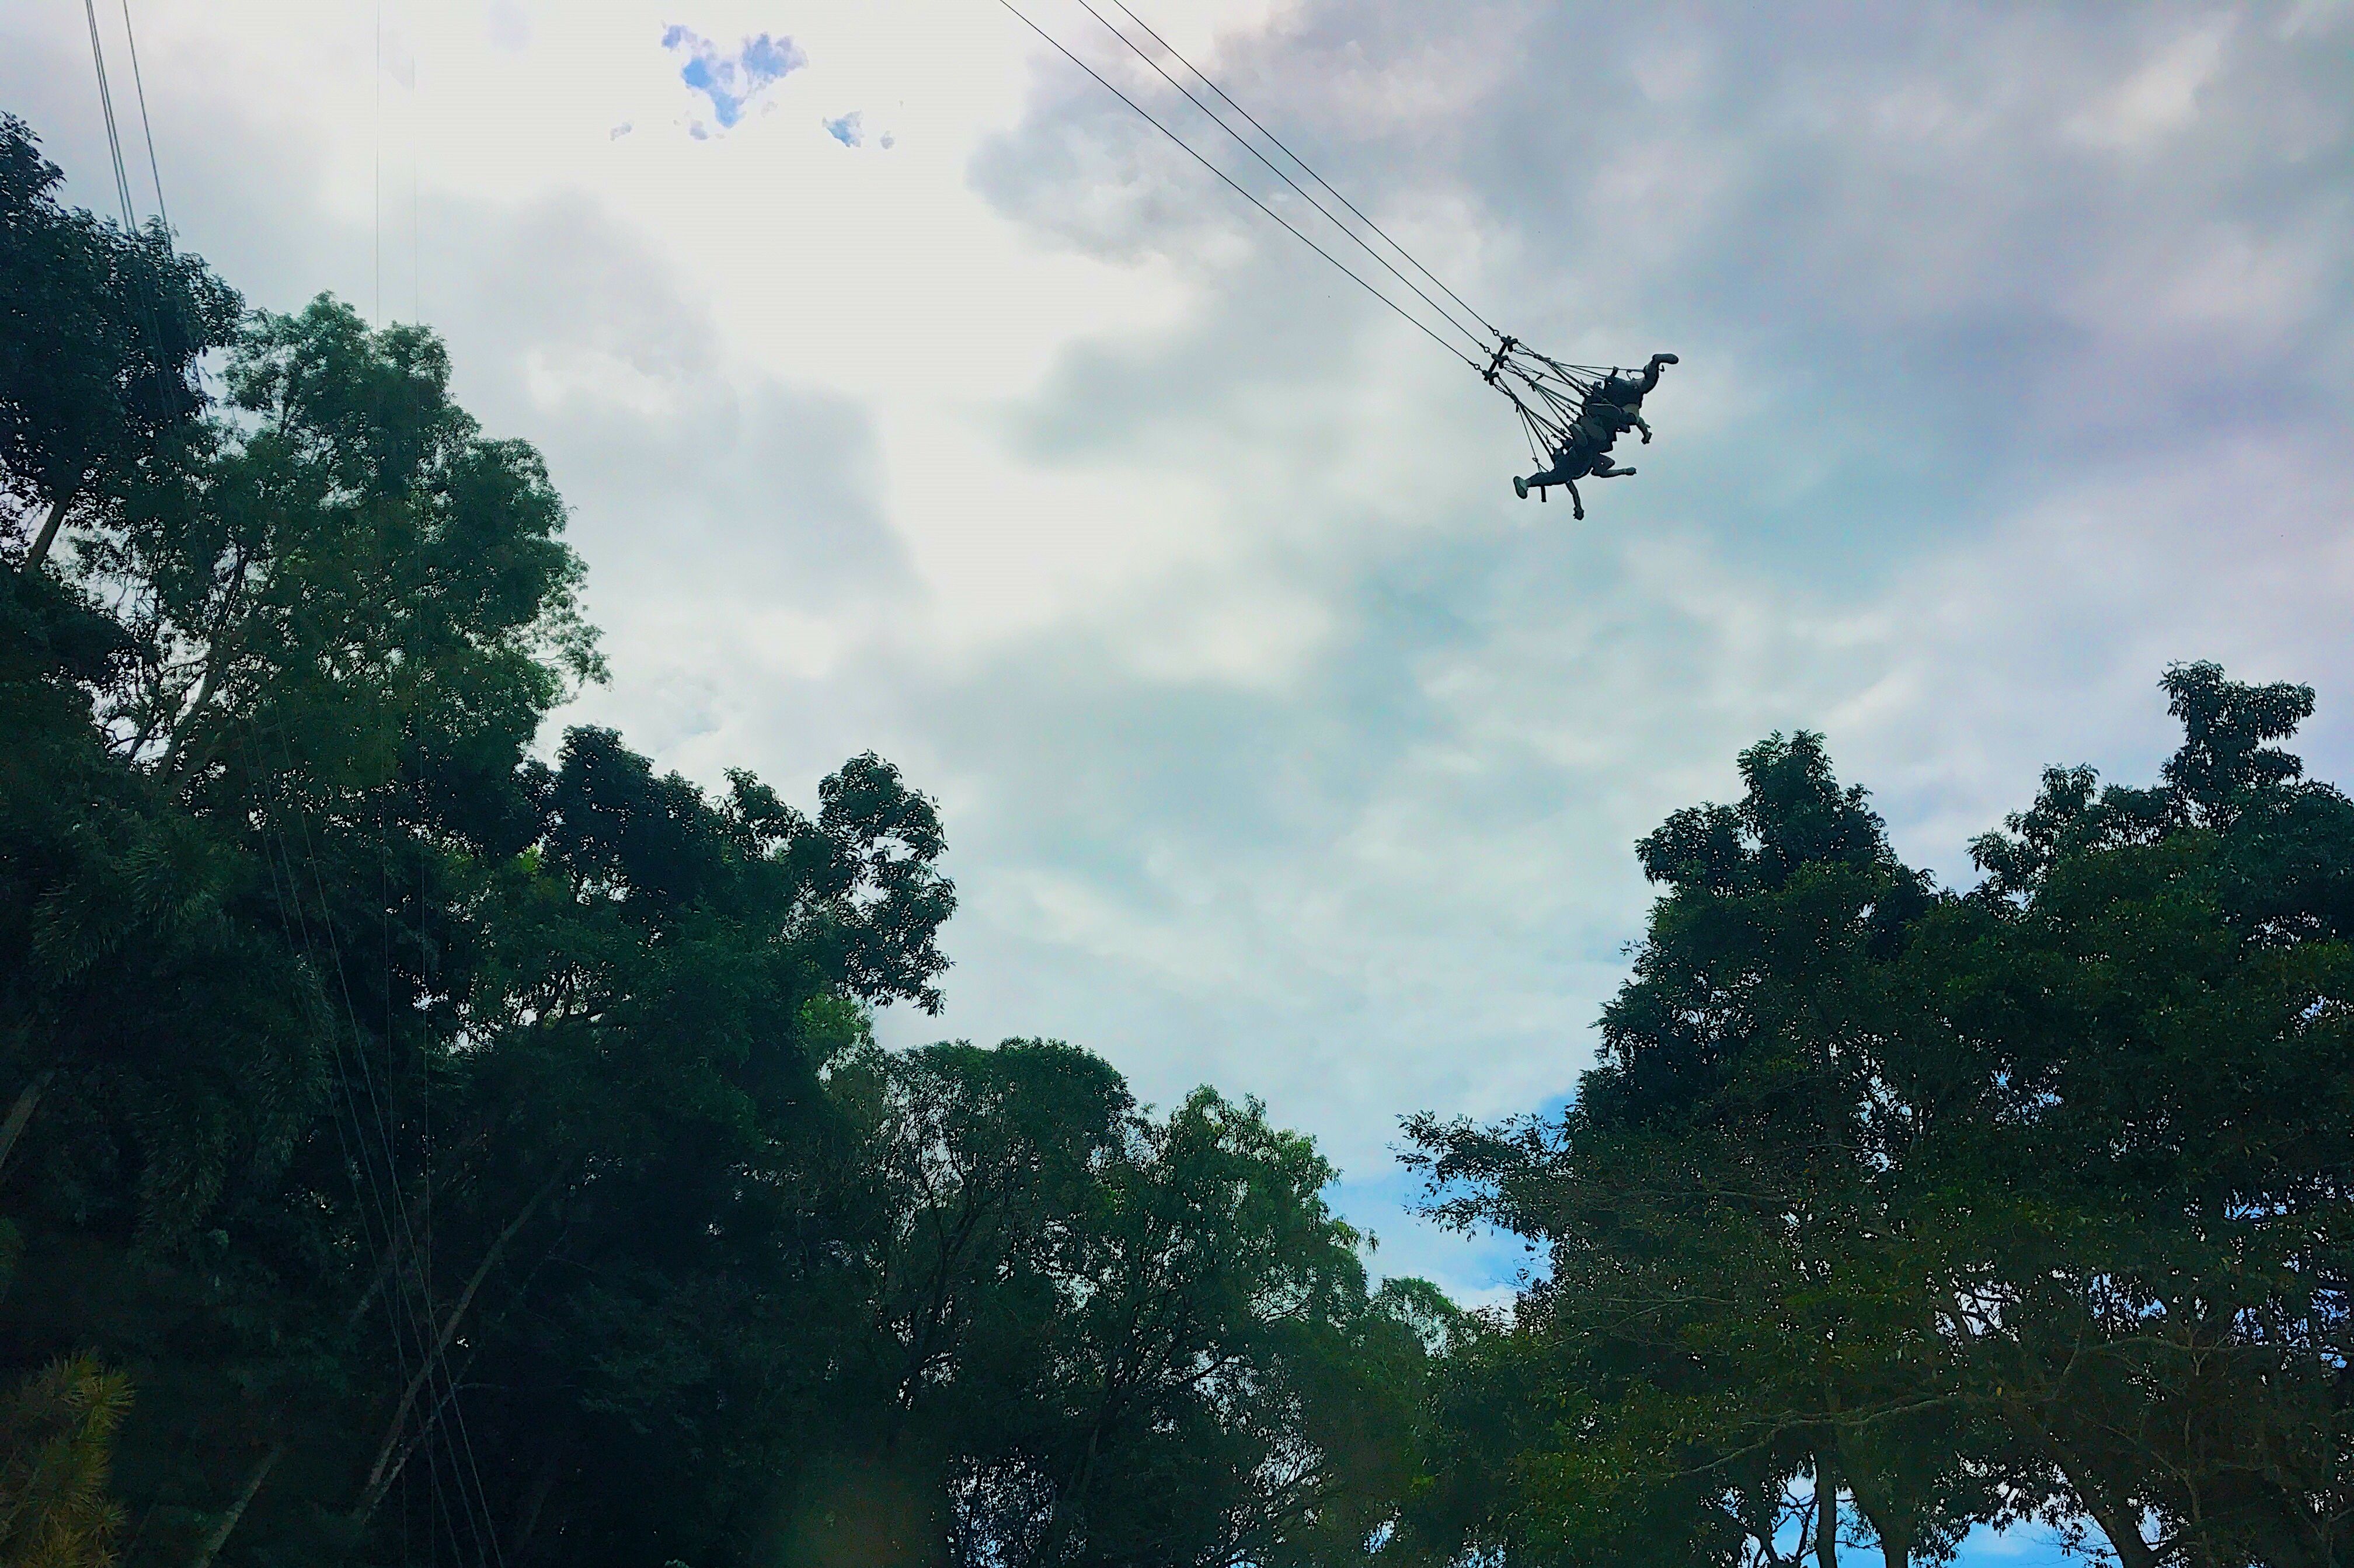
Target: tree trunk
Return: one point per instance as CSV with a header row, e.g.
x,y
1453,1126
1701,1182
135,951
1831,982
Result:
x,y
217,1537
381,1476
1886,1516
2122,1529
395,1255
22,1112
220,647
49,533
1826,1513
2113,1514
535,1500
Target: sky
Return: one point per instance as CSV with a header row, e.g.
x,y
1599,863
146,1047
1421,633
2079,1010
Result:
x,y
913,395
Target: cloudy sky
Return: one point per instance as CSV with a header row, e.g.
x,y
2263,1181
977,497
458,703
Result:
x,y
913,395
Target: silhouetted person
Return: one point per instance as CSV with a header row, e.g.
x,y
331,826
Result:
x,y
1612,407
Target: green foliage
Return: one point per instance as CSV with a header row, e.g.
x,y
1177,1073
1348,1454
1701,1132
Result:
x,y
472,1154
478,1152
56,1438
100,335
2026,1201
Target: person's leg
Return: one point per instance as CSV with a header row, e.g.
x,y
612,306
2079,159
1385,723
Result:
x,y
1556,474
1604,470
1576,502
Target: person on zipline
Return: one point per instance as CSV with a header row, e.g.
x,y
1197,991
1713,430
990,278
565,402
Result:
x,y
1586,453
1613,406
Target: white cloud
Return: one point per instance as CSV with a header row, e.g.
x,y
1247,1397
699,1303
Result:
x,y
2161,97
1279,746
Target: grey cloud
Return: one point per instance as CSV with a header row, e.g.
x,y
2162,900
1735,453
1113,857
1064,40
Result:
x,y
2017,361
1907,235
704,493
2016,364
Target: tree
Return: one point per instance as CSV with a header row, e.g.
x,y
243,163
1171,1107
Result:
x,y
2019,1201
2160,1004
100,335
56,1436
467,1149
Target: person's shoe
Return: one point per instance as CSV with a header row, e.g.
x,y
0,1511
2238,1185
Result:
x,y
1520,487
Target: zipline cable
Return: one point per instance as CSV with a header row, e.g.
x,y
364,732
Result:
x,y
1229,180
1435,282
1478,341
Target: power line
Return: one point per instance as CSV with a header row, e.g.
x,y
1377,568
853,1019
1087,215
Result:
x,y
146,126
156,344
419,1319
416,159
376,189
1435,282
1145,115
1475,339
106,107
400,1231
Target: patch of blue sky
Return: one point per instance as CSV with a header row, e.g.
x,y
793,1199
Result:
x,y
847,130
730,82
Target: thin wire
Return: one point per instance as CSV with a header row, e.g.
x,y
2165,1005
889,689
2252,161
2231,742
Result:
x,y
397,1234
435,1359
1237,189
426,1049
1477,343
375,192
476,1503
416,158
1309,172
398,1305
122,195
106,105
146,126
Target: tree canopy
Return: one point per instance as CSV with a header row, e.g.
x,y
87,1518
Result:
x,y
100,333
2022,1202
420,1146
428,1137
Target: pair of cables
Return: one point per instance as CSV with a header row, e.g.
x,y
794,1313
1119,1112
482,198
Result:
x,y
113,133
1482,340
